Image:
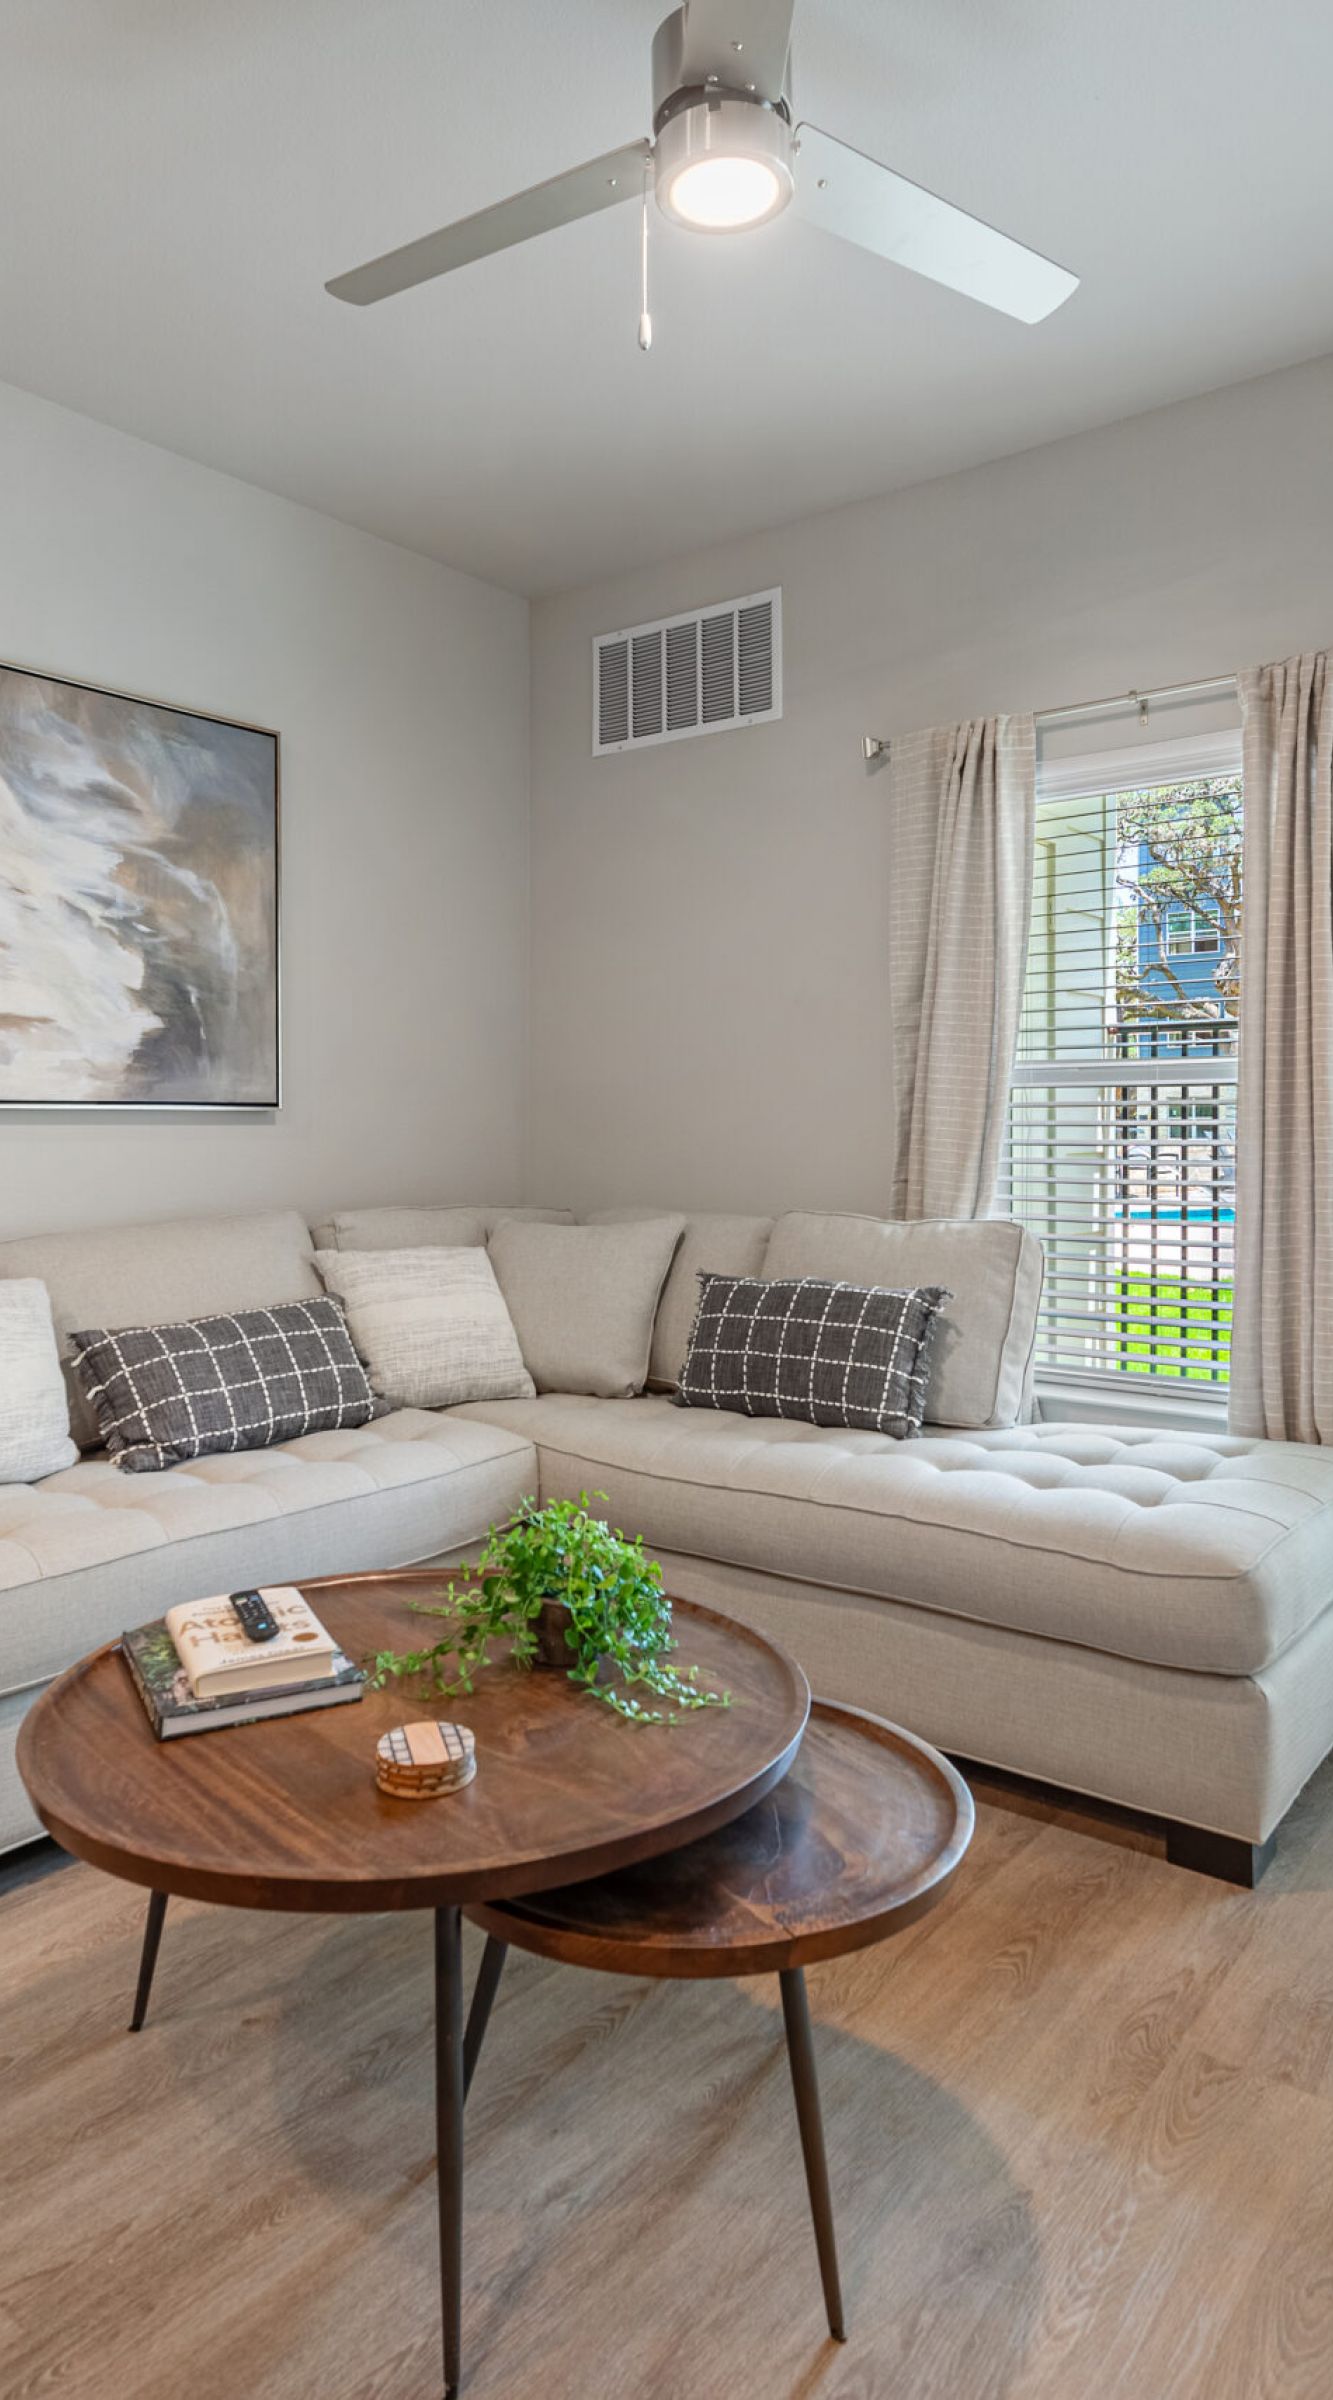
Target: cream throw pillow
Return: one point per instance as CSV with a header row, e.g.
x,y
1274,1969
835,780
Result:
x,y
583,1299
431,1325
34,1405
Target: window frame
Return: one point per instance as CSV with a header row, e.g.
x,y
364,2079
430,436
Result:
x,y
1210,746
1195,923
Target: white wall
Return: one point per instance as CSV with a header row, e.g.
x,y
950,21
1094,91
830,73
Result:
x,y
400,690
709,917
709,943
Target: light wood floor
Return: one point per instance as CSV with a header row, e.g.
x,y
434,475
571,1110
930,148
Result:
x,y
1080,2124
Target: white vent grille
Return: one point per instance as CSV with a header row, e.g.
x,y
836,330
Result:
x,y
701,673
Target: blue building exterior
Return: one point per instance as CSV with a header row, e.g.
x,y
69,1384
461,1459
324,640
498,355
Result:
x,y
1189,942
1193,947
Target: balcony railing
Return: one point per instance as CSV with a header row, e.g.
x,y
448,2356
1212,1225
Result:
x,y
1185,1038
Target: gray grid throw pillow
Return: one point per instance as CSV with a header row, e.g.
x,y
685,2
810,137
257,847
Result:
x,y
165,1393
826,1353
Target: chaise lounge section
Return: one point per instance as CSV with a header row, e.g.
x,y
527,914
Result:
x,y
1139,1617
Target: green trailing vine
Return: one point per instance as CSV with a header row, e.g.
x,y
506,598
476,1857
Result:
x,y
619,1614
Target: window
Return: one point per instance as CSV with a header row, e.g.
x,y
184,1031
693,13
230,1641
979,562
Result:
x,y
1122,1127
1189,931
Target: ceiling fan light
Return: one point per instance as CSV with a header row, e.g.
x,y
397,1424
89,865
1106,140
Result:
x,y
723,166
720,195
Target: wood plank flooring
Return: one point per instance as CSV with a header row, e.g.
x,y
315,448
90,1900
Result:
x,y
1080,2125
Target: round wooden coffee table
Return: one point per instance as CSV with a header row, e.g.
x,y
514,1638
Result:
x,y
287,1814
861,1837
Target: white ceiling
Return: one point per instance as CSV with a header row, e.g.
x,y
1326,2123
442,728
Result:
x,y
179,177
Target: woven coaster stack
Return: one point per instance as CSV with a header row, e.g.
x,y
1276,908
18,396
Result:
x,y
420,1762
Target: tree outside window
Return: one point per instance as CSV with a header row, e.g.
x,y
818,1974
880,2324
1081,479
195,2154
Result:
x,y
1178,883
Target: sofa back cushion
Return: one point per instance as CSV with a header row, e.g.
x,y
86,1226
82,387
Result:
x,y
715,1244
982,1361
583,1299
426,1228
146,1274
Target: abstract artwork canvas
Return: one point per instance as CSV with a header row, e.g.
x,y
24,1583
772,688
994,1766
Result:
x,y
138,902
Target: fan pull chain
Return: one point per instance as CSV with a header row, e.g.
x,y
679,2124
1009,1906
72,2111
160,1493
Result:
x,y
645,319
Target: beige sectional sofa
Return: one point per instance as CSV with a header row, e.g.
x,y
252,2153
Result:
x,y
1139,1615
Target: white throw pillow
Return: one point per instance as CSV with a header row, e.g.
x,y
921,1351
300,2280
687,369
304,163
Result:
x,y
34,1405
583,1299
431,1325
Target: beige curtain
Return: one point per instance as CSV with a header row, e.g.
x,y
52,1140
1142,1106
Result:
x,y
962,799
1282,1339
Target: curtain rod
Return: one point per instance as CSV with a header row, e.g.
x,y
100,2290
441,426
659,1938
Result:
x,y
1140,700
873,747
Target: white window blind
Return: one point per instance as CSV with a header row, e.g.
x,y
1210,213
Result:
x,y
1122,1129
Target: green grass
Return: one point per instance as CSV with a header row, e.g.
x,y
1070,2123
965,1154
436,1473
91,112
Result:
x,y
1164,1329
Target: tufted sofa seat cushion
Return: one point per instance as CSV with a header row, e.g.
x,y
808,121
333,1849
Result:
x,y
1186,1550
89,1551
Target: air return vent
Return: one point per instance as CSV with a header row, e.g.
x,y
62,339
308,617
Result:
x,y
701,673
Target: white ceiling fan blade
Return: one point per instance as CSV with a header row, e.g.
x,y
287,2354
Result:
x,y
739,41
846,193
580,192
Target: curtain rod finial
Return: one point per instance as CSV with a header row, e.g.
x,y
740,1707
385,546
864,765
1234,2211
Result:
x,y
872,748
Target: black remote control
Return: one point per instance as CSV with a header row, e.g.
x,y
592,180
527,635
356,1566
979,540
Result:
x,y
254,1616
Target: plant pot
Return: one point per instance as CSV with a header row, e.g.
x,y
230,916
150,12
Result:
x,y
550,1626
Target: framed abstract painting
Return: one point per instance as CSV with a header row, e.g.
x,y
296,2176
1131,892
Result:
x,y
138,902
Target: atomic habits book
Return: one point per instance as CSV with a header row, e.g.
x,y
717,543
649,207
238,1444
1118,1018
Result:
x,y
219,1658
164,1688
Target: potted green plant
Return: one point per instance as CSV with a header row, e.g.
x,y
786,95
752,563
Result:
x,y
563,1590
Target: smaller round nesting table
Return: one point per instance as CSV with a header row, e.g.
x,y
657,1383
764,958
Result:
x,y
862,1835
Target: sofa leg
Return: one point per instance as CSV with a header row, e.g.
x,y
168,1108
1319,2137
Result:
x,y
1219,1854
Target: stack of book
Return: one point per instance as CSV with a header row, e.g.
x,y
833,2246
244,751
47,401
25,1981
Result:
x,y
195,1670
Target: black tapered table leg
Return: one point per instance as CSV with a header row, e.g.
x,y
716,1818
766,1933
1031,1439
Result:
x,y
483,1996
805,2084
152,1935
449,2135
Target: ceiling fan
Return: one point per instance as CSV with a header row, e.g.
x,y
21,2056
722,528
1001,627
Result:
x,y
725,155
